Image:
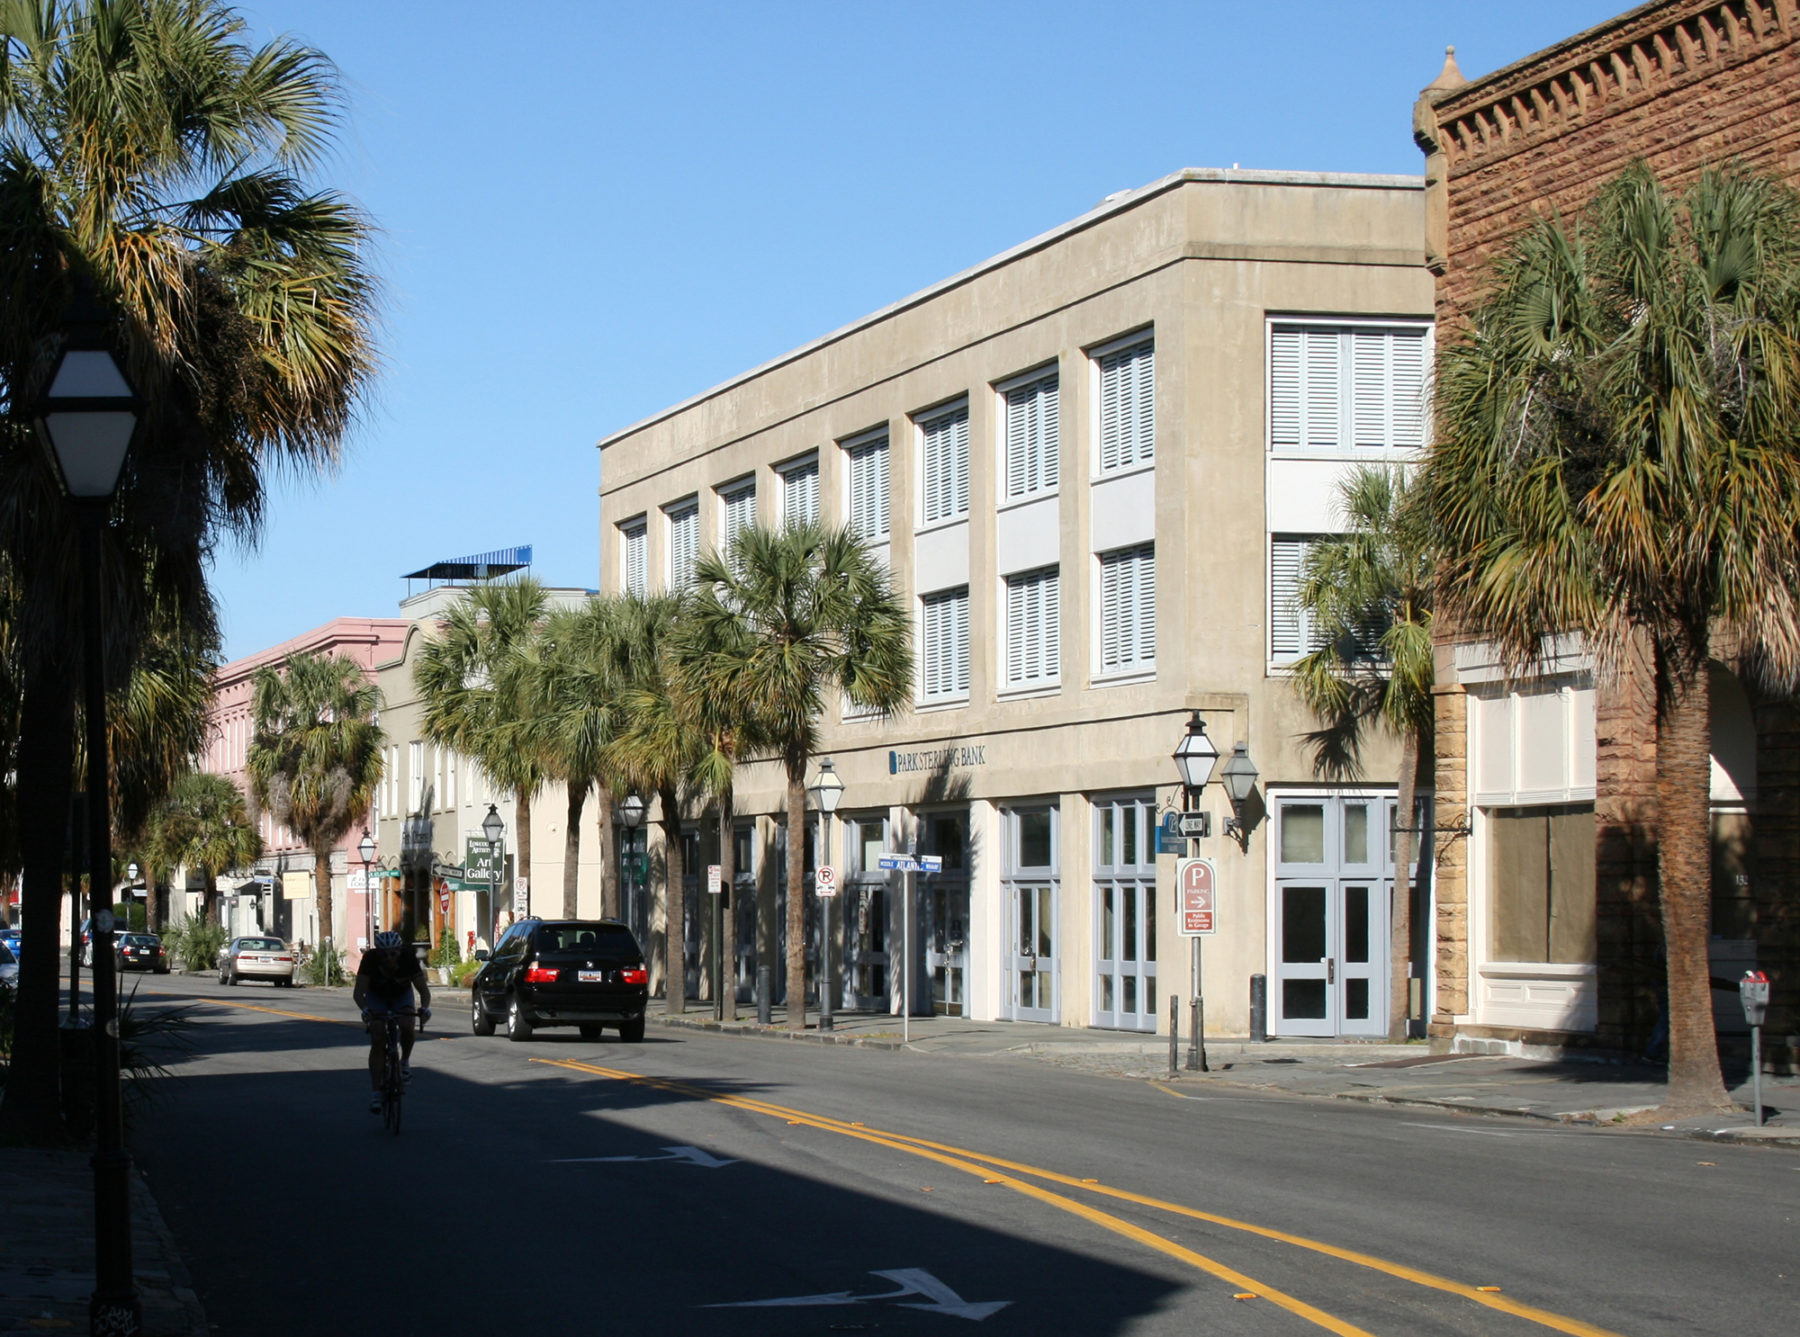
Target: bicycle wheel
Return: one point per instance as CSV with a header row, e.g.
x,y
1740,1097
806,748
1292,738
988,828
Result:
x,y
392,1088
390,1109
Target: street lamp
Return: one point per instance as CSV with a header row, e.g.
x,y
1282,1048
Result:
x,y
826,789
493,826
631,816
1195,757
86,420
1239,779
365,848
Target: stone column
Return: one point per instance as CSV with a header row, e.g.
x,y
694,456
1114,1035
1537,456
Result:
x,y
1450,819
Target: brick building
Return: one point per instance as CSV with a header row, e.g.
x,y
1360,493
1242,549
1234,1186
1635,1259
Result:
x,y
1683,84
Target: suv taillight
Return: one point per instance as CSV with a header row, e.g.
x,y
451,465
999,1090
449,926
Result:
x,y
634,975
541,974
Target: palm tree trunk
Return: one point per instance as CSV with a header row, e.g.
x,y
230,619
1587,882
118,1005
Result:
x,y
1684,859
674,907
152,901
31,1111
578,793
1400,955
726,947
322,888
522,845
209,896
609,860
796,891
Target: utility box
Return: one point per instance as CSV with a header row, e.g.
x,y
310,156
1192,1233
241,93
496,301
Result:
x,y
1753,992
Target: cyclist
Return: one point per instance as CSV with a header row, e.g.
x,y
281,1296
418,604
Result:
x,y
386,978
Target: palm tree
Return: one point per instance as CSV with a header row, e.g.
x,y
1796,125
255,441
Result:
x,y
473,680
1618,453
1368,592
204,826
656,750
810,612
315,756
152,157
571,694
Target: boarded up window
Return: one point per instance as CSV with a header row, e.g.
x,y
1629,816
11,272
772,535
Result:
x,y
1541,901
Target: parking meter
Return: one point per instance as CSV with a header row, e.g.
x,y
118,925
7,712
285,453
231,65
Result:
x,y
1753,992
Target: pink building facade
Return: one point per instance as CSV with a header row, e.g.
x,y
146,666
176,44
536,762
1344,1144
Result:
x,y
277,896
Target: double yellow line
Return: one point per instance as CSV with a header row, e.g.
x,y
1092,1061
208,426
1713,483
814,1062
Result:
x,y
984,1167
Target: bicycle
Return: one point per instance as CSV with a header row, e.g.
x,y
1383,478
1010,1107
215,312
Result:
x,y
393,1083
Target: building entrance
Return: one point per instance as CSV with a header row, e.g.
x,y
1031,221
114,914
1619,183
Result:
x,y
1125,905
864,927
944,910
1333,881
1031,884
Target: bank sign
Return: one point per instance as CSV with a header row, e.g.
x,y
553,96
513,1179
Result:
x,y
937,758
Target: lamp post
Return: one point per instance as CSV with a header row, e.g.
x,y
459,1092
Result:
x,y
493,826
1195,757
365,849
631,815
826,789
86,419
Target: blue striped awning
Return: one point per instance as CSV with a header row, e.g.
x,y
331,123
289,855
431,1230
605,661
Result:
x,y
480,566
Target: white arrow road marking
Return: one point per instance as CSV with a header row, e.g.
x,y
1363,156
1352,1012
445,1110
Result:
x,y
911,1281
691,1155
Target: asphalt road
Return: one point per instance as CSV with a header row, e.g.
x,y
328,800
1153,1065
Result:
x,y
701,1184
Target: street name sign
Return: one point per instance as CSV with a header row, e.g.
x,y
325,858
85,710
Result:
x,y
825,879
1195,912
912,863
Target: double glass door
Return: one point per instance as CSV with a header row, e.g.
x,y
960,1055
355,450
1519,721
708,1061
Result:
x,y
944,911
1334,879
1031,883
1125,902
864,907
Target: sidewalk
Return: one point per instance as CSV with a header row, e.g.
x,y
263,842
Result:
x,y
1582,1091
47,1250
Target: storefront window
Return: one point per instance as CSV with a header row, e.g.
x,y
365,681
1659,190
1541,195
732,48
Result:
x,y
1543,884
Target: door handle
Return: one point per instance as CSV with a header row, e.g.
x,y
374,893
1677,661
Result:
x,y
1331,970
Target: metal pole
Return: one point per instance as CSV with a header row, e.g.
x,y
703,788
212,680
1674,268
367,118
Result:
x,y
906,884
826,981
75,942
114,1307
1756,1072
718,938
1174,1031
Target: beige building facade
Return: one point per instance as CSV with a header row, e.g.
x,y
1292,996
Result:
x,y
1092,464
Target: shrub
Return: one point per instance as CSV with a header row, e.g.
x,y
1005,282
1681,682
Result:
x,y
324,967
446,955
195,943
130,916
462,974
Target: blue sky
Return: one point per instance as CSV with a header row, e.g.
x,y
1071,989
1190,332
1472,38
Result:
x,y
589,211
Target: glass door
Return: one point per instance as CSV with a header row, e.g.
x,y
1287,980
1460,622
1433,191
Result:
x,y
864,907
1334,878
944,910
1125,904
1031,887
743,907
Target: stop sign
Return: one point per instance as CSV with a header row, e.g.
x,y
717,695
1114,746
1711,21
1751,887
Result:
x,y
1194,908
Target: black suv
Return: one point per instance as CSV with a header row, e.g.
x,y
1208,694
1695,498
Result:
x,y
562,972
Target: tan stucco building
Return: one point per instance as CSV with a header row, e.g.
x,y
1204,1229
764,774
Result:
x,y
1092,463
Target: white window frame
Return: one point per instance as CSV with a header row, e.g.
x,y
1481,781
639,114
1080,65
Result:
x,y
791,471
634,556
732,518
1143,452
943,502
1142,613
1343,344
864,495
956,662
415,776
1031,667
684,552
1295,558
1017,398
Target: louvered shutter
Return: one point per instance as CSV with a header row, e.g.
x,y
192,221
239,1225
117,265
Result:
x,y
1127,407
946,465
1284,387
1127,608
684,544
1033,628
800,485
959,614
1407,391
1321,388
1361,386
1287,623
1145,618
738,511
1370,396
947,644
1019,480
1031,437
635,573
869,488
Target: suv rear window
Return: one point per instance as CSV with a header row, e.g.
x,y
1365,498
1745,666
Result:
x,y
613,939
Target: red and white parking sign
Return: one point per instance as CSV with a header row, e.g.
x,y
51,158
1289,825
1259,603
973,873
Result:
x,y
1194,908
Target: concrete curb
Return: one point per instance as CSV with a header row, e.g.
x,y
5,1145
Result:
x,y
181,1282
753,1031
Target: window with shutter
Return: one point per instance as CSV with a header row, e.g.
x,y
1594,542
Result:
x,y
1031,437
946,645
869,485
684,543
1291,633
1128,609
800,492
737,510
634,573
1332,386
1127,406
946,464
1033,628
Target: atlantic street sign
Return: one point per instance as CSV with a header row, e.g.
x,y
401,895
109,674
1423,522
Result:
x,y
912,863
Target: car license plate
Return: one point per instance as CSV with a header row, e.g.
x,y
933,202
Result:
x,y
591,976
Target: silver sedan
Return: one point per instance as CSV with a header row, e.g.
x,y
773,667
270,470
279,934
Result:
x,y
268,959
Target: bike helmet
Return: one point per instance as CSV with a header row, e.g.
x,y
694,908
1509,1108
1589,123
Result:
x,y
388,940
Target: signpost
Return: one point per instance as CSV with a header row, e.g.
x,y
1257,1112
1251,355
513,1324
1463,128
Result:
x,y
907,864
826,878
715,890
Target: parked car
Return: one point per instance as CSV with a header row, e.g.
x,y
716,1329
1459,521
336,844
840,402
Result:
x,y
141,951
587,973
9,938
9,967
268,959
